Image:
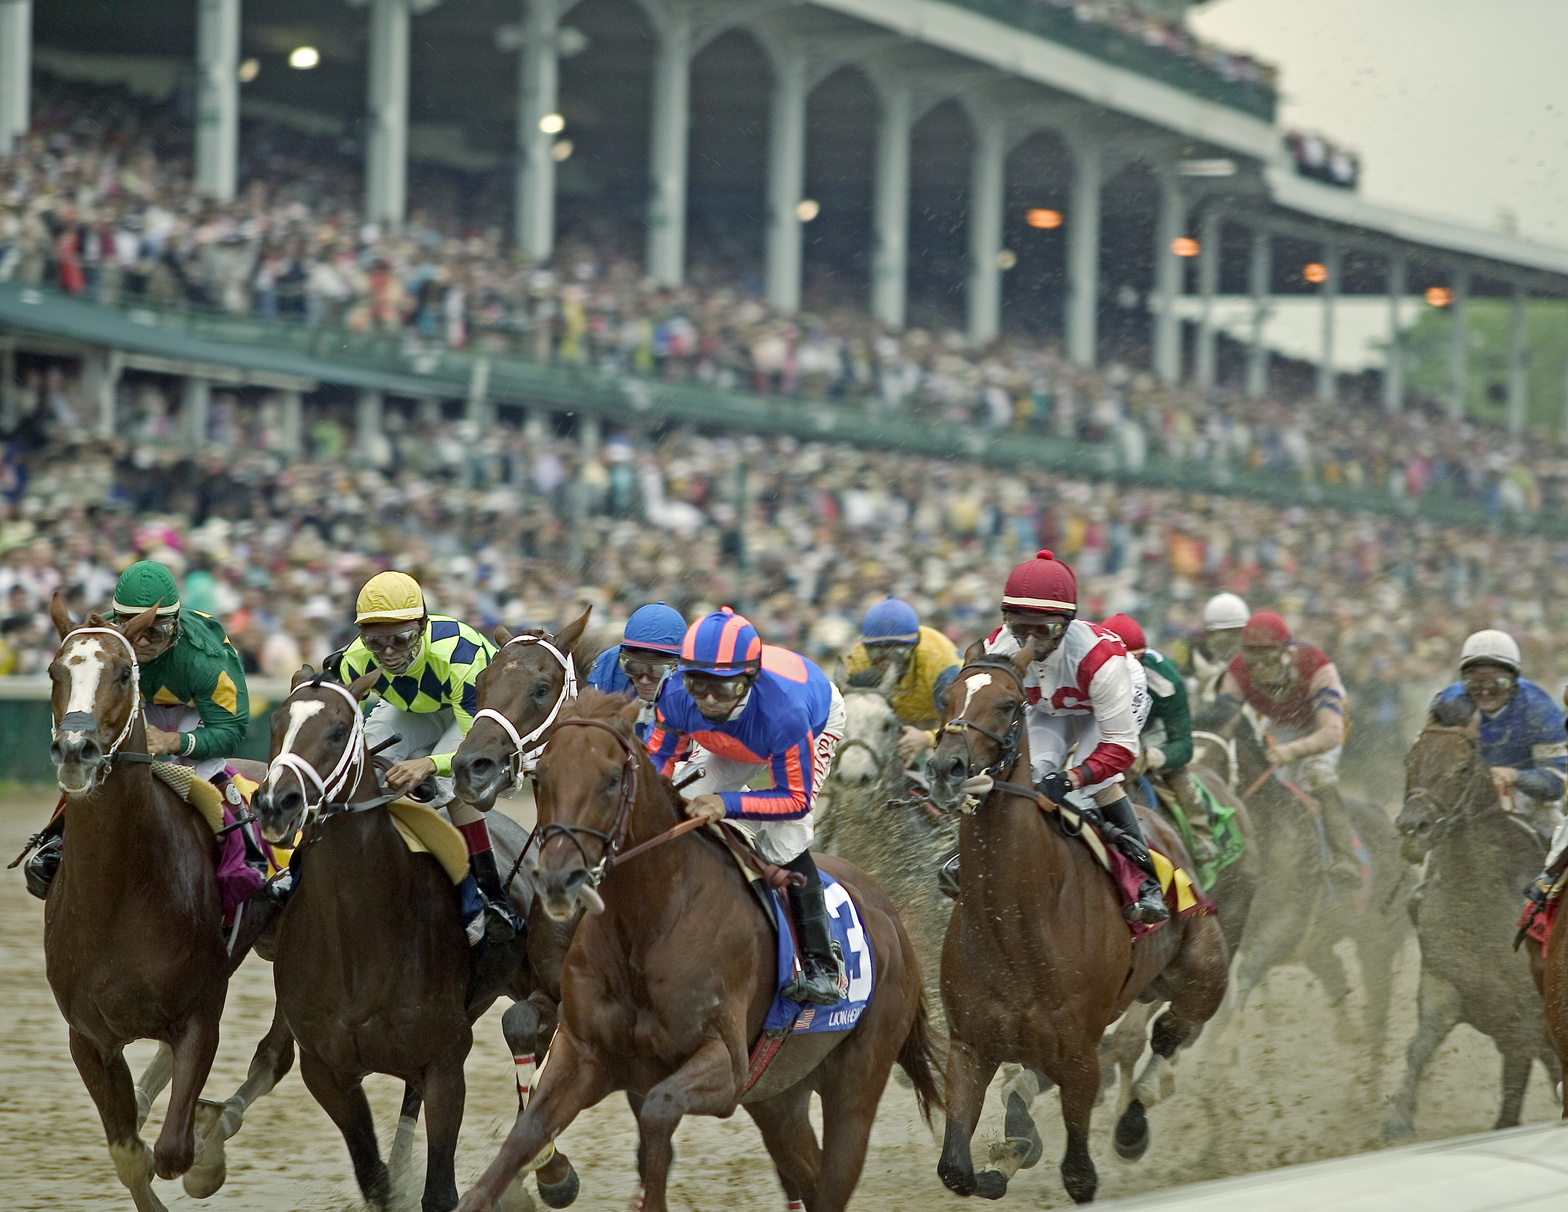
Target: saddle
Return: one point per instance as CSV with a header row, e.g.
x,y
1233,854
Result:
x,y
1229,841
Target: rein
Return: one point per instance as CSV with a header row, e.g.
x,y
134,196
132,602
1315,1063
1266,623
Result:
x,y
522,757
616,837
1006,746
345,774
1227,746
1444,824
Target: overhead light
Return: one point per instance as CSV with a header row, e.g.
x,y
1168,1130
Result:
x,y
1185,246
552,124
303,58
561,150
1006,259
1315,272
1206,168
807,209
1439,296
249,70
1040,217
570,42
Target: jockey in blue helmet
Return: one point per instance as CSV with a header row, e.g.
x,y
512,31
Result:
x,y
738,708
927,663
643,659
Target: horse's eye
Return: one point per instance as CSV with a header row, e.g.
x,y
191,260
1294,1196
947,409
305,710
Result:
x,y
340,733
541,690
125,676
1007,705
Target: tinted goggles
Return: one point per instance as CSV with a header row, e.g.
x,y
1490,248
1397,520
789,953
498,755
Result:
x,y
1478,682
1036,626
393,641
707,686
160,631
643,666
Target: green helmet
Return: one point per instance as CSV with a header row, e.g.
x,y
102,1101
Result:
x,y
146,583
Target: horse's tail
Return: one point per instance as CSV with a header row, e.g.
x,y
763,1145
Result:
x,y
917,1058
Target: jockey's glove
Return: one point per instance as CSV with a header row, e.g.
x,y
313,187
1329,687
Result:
x,y
1154,758
1056,786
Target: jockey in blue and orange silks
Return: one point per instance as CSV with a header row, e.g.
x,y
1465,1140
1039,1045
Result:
x,y
737,708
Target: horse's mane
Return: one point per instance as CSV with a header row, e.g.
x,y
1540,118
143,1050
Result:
x,y
1452,713
609,709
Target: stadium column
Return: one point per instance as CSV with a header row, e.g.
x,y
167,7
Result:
x,y
16,70
1394,370
218,97
890,259
1458,345
1260,273
103,371
667,156
1518,353
367,425
1328,291
589,431
386,152
8,401
1208,282
988,173
1168,271
786,177
538,94
195,405
291,420
1083,253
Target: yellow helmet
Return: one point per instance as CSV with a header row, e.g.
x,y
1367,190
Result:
x,y
389,597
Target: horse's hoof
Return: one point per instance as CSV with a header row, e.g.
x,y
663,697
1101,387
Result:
x,y
1019,1125
1132,1132
561,1194
990,1184
207,1172
173,1162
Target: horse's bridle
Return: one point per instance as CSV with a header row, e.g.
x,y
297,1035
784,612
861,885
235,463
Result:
x,y
521,761
106,762
1228,746
343,777
1446,824
611,841
1008,745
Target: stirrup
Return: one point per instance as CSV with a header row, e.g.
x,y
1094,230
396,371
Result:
x,y
1150,907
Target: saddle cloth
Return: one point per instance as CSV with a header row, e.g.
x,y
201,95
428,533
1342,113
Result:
x,y
1537,921
1229,841
857,975
238,880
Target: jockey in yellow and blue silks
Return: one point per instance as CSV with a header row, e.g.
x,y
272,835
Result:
x,y
643,660
891,635
737,709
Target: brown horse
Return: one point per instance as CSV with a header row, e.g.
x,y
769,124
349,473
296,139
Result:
x,y
133,940
1038,961
372,966
666,989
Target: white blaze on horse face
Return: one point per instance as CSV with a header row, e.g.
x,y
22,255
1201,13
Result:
x,y
86,663
298,714
972,686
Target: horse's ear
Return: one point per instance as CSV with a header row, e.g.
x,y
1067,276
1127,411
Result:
x,y
974,652
361,685
1025,655
502,636
139,624
1451,713
305,673
566,639
59,615
629,713
840,674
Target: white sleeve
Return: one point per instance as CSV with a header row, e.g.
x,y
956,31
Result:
x,y
1110,692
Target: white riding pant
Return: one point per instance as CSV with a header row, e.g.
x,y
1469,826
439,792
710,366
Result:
x,y
422,733
1053,737
777,841
1308,773
177,717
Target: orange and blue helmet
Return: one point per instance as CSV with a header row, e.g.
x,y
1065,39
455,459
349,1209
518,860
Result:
x,y
722,644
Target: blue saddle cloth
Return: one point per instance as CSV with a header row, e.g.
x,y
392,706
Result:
x,y
848,933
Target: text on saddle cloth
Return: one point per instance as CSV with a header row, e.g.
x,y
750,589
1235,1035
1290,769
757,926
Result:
x,y
859,973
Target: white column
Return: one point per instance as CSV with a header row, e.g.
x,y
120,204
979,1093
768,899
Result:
x,y
786,179
1208,282
1518,352
429,411
1394,371
588,434
987,181
478,412
535,425
367,425
386,153
1260,272
105,371
291,421
1167,280
8,402
538,96
890,208
16,70
667,160
195,404
1458,345
1328,381
1083,255
217,96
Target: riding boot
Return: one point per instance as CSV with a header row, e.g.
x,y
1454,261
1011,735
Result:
x,y
44,864
1196,809
1150,906
818,979
1344,867
501,923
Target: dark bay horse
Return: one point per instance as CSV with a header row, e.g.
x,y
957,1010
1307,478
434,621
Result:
x,y
1477,858
666,989
1038,961
372,966
133,940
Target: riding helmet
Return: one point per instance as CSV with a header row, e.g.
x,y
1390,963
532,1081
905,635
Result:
x,y
1044,584
655,626
1224,612
1125,626
389,597
1490,647
145,583
890,621
723,644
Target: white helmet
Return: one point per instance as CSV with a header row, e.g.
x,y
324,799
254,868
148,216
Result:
x,y
1491,647
1225,611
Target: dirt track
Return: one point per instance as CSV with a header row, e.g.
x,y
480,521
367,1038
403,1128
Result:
x,y
1297,1091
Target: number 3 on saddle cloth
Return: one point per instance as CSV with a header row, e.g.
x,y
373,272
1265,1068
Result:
x,y
856,978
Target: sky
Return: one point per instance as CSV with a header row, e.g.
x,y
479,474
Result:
x,y
1457,108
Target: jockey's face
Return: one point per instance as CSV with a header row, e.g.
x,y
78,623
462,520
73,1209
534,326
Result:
x,y
1223,643
1046,630
888,656
394,646
715,697
1269,664
646,670
1489,686
156,640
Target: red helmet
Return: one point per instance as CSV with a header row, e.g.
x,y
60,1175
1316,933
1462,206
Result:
x,y
1044,584
1131,634
1265,629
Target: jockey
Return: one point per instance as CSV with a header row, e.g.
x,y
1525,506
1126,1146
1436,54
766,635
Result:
x,y
1296,688
644,658
1167,736
1224,615
430,666
192,683
1086,694
891,635
1521,736
739,710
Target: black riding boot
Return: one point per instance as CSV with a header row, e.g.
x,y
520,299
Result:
x,y
501,924
818,979
1150,906
1343,867
44,865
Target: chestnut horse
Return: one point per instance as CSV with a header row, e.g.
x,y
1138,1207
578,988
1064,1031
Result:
x,y
1038,960
133,939
665,990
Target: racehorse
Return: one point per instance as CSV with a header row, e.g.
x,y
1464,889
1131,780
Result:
x,y
133,941
1477,857
1038,960
1303,915
372,966
666,988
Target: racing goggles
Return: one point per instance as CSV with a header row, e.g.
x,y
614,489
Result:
x,y
1476,681
159,631
710,686
646,665
398,643
1036,626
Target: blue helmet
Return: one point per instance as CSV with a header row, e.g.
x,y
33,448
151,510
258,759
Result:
x,y
723,644
655,626
890,621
